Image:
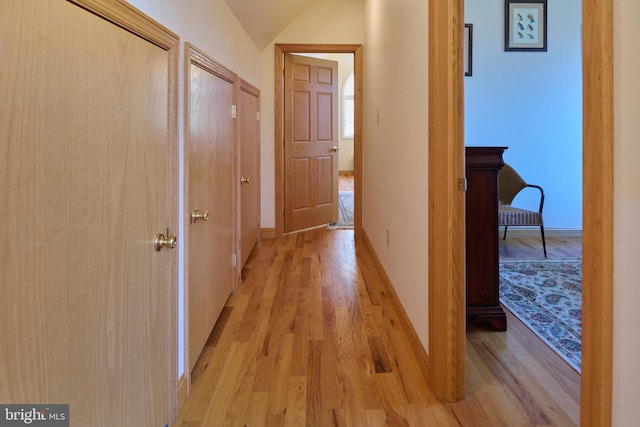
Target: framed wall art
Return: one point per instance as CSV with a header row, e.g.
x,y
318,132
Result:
x,y
525,25
468,49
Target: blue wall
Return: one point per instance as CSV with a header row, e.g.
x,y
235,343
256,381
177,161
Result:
x,y
531,102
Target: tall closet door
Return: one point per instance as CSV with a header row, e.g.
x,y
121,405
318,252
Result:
x,y
210,185
88,143
249,142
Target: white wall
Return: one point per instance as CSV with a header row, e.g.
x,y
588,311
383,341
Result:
x,y
210,26
626,324
395,153
324,22
531,102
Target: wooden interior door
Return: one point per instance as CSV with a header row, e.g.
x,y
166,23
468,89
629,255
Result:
x,y
249,141
88,142
311,142
210,185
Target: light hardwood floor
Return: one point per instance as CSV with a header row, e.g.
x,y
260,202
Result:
x,y
311,338
345,181
531,247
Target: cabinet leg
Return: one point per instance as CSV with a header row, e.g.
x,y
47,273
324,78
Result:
x,y
497,322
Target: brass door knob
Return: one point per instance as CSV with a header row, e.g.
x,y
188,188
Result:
x,y
162,241
335,148
244,180
198,215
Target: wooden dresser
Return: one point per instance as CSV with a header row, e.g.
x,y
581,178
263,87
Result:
x,y
483,302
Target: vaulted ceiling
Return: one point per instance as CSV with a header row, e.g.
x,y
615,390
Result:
x,y
265,19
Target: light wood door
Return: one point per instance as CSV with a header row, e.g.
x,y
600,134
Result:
x,y
88,148
210,184
311,141
249,140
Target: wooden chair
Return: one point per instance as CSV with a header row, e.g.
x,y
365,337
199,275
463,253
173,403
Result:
x,y
510,183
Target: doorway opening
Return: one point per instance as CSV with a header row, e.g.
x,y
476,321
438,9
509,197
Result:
x,y
549,157
280,51
446,294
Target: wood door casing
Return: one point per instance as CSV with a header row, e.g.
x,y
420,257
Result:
x,y
311,132
89,154
446,214
249,169
209,136
279,51
597,213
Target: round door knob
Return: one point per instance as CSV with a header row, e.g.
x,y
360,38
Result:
x,y
161,241
198,215
244,180
335,148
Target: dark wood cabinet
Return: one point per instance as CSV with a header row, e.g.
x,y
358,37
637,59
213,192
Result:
x,y
483,300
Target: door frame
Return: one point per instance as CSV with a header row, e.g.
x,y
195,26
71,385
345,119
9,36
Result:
x,y
446,142
280,50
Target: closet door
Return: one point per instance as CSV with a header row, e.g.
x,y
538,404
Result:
x,y
209,148
88,143
249,142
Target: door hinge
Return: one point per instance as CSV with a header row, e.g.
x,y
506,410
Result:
x,y
234,112
462,184
258,116
234,262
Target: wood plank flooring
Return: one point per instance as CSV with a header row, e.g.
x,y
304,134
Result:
x,y
311,338
531,247
345,181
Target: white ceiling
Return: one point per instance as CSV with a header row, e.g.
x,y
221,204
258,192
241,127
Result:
x,y
263,20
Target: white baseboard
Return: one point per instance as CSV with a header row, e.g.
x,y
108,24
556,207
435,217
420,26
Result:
x,y
535,232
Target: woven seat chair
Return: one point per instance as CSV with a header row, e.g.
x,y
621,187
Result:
x,y
510,183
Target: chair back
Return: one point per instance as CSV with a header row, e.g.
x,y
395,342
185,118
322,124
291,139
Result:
x,y
509,184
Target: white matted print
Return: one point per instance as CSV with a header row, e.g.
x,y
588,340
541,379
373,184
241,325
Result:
x,y
525,25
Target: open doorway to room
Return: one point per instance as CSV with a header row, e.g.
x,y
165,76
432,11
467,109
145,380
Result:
x,y
597,87
355,51
531,103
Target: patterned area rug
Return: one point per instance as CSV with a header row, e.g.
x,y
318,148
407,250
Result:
x,y
345,210
547,297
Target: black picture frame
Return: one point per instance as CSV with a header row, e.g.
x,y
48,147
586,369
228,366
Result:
x,y
468,50
525,25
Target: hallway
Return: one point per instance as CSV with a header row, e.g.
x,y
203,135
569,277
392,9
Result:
x,y
312,338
